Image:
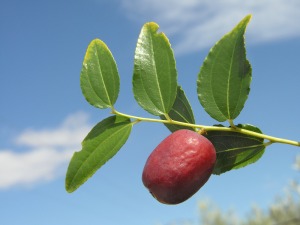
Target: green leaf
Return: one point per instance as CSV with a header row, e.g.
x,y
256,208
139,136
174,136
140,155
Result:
x,y
99,78
100,145
236,150
155,76
181,111
224,80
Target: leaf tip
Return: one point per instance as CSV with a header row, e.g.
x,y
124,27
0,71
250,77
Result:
x,y
152,25
248,17
246,20
69,188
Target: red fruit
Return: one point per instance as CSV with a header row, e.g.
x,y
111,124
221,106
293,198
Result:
x,y
179,166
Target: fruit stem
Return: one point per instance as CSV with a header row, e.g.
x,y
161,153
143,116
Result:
x,y
212,128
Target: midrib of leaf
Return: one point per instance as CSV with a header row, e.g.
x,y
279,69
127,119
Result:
x,y
94,152
228,81
212,87
184,119
228,110
242,161
159,90
99,67
254,139
240,148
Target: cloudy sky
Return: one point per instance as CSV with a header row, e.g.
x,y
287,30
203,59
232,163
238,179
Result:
x,y
44,117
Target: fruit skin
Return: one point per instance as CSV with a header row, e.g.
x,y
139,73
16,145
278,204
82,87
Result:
x,y
179,166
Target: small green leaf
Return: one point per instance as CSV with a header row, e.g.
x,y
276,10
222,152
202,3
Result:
x,y
224,80
100,145
155,76
235,150
99,78
181,111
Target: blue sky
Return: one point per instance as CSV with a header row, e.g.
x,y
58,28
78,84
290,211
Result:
x,y
44,116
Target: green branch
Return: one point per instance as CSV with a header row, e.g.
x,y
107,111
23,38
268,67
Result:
x,y
211,128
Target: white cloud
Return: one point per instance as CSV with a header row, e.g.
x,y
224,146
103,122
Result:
x,y
68,134
31,167
48,153
198,24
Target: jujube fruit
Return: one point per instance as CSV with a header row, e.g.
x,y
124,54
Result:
x,y
179,166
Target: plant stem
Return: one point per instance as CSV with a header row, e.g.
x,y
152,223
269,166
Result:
x,y
212,128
